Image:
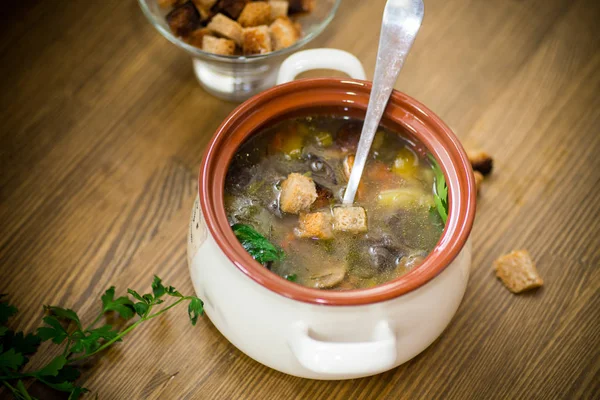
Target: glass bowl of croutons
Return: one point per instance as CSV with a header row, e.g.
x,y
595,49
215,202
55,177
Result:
x,y
238,45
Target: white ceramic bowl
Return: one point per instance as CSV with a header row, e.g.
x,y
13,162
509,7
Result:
x,y
328,334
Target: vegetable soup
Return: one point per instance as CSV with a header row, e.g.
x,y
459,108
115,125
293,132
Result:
x,y
283,197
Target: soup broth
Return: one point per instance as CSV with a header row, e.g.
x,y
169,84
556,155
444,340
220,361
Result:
x,y
315,241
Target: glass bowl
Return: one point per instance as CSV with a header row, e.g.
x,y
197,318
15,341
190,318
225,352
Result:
x,y
236,78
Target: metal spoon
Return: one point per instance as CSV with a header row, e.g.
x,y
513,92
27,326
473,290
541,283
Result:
x,y
401,22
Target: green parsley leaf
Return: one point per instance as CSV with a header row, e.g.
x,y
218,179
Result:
x,y
90,341
122,305
10,359
148,298
291,277
22,389
78,391
65,386
62,384
56,332
53,367
136,295
65,313
195,309
65,374
24,344
172,292
441,190
141,308
6,311
257,245
157,287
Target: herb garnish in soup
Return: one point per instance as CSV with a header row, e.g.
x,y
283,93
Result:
x,y
283,196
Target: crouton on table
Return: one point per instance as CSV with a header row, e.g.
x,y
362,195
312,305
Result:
x,y
298,193
350,219
224,47
478,179
315,225
255,14
481,161
183,19
517,271
256,40
279,8
284,33
227,28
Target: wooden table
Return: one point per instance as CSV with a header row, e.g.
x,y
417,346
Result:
x,y
103,126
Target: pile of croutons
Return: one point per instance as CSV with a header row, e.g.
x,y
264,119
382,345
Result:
x,y
236,27
298,193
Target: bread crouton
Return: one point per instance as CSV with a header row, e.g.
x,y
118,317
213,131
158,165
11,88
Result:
x,y
233,8
481,161
324,197
183,19
283,33
298,193
205,4
195,38
315,225
278,9
478,179
256,40
301,6
348,164
205,12
255,14
517,271
223,47
227,28
350,219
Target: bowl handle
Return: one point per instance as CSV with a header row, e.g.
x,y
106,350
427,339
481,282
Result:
x,y
307,60
345,358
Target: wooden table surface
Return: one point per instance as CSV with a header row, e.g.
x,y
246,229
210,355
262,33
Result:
x,y
103,126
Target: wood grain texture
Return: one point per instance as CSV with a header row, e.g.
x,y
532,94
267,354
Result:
x,y
103,129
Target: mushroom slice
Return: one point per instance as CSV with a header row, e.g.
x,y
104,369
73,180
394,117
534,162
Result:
x,y
329,277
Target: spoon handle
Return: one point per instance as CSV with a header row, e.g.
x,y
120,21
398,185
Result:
x,y
401,22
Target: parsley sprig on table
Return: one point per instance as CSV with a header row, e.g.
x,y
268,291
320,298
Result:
x,y
63,327
441,190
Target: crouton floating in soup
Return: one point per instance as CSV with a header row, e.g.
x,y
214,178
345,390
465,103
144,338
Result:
x,y
285,186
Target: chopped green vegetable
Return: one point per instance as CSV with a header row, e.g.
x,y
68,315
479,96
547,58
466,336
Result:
x,y
256,244
292,277
441,190
323,139
406,163
404,197
255,187
64,327
292,146
378,140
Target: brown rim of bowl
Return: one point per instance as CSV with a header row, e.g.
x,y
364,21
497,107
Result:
x,y
324,93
